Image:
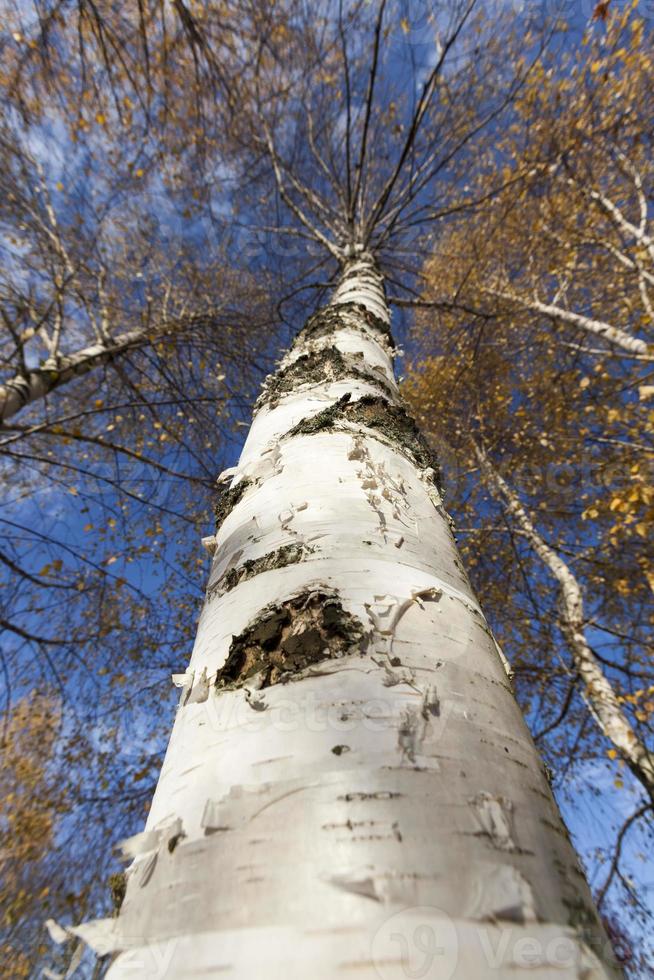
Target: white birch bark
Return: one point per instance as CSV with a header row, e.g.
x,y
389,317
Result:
x,y
368,802
602,699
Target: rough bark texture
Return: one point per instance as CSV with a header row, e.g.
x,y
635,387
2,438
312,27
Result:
x,y
350,789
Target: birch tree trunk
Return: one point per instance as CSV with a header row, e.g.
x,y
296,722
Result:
x,y
350,789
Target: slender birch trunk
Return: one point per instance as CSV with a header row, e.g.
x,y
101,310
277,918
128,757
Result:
x,y
597,328
350,789
601,698
37,383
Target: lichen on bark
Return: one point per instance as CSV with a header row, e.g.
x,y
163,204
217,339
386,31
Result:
x,y
288,637
117,886
228,499
317,367
287,555
377,414
328,319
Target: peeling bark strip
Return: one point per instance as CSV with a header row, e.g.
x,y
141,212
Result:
x,y
286,639
347,749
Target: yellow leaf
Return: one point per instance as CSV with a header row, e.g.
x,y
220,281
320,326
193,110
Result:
x,y
404,24
100,118
612,754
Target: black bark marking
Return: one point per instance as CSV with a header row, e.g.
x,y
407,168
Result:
x,y
382,794
289,554
117,886
228,500
379,416
331,318
174,841
327,419
287,638
318,367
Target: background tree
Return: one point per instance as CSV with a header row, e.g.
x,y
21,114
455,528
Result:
x,y
31,803
129,342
